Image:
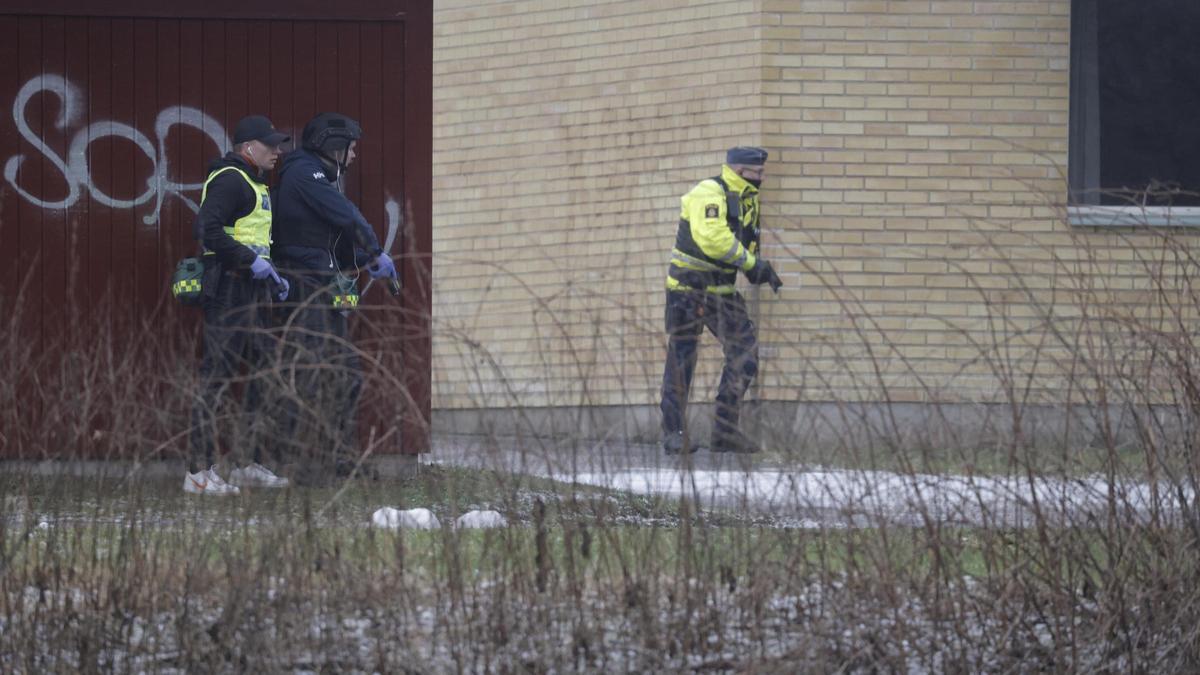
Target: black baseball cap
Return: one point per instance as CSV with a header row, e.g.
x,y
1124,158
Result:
x,y
258,128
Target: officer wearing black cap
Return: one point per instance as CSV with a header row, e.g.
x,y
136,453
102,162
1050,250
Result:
x,y
234,225
718,235
321,242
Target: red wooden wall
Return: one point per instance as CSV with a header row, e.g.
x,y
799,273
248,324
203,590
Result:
x,y
110,113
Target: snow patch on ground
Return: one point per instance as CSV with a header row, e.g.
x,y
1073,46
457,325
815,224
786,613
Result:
x,y
424,519
481,520
804,626
411,519
865,497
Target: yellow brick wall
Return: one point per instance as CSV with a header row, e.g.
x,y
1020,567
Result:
x,y
921,147
914,202
564,134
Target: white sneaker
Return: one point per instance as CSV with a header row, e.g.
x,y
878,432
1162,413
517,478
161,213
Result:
x,y
257,475
207,482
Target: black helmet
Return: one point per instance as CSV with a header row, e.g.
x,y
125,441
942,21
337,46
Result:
x,y
330,132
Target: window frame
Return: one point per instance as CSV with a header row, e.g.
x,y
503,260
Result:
x,y
1083,145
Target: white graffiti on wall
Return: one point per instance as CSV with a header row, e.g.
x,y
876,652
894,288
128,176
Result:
x,y
78,174
74,167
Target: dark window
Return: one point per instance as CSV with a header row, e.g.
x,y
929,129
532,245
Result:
x,y
1135,102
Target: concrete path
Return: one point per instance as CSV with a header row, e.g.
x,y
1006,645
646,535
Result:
x,y
815,496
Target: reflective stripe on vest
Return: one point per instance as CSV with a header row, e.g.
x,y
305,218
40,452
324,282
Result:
x,y
693,263
254,229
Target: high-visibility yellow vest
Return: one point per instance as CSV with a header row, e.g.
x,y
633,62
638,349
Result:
x,y
717,235
253,229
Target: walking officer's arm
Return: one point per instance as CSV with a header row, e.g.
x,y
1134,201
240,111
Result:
x,y
364,236
705,209
227,199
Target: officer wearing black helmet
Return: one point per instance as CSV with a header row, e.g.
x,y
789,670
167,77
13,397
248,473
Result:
x,y
315,224
320,242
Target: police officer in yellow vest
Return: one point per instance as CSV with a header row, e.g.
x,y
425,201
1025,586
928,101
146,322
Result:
x,y
234,225
718,235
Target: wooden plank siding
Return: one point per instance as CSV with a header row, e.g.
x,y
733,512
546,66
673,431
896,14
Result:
x,y
145,96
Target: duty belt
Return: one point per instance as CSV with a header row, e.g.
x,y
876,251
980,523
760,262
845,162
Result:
x,y
701,280
264,251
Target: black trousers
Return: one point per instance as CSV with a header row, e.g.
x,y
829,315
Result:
x,y
237,345
324,376
688,313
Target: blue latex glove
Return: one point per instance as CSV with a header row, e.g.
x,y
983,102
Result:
x,y
261,268
383,267
282,289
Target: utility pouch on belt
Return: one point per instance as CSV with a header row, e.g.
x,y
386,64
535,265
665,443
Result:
x,y
345,292
187,282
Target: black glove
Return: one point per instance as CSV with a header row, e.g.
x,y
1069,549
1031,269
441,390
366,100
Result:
x,y
763,273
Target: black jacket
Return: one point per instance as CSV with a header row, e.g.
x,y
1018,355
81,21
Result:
x,y
314,223
229,198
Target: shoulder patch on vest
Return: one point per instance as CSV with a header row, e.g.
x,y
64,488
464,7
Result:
x,y
712,211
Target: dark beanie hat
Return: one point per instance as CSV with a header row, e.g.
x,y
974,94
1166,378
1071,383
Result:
x,y
744,154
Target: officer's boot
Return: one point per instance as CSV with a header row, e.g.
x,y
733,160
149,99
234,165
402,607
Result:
x,y
733,440
727,437
674,444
